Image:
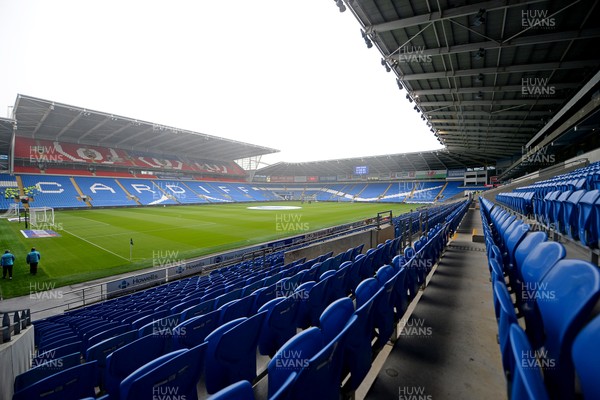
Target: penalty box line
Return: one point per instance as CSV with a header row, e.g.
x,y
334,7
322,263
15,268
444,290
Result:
x,y
94,244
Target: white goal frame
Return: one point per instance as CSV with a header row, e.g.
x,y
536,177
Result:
x,y
41,216
12,211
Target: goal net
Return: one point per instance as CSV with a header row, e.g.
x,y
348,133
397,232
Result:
x,y
39,216
12,211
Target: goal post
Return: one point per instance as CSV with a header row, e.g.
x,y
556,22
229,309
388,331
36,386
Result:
x,y
12,211
41,216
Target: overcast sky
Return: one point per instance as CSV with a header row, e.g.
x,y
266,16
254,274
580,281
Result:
x,y
292,75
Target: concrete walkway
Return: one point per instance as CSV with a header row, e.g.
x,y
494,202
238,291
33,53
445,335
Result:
x,y
448,347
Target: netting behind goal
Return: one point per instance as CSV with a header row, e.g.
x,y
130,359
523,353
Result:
x,y
12,211
41,216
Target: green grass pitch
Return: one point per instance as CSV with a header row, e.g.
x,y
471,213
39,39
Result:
x,y
95,243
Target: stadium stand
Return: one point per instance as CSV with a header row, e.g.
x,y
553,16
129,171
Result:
x,y
103,192
120,190
508,284
53,191
111,335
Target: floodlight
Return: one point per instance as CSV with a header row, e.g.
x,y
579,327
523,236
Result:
x,y
479,18
399,83
480,54
368,41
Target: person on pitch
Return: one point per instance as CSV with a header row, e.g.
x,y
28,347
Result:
x,y
33,258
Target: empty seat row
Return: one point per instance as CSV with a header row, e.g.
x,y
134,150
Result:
x,y
543,302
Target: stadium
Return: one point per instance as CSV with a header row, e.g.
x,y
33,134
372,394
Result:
x,y
178,265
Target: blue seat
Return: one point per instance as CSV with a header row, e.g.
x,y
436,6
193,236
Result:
x,y
160,326
285,388
51,339
45,369
317,363
529,242
237,309
241,390
60,351
507,318
570,217
72,383
100,351
540,260
400,296
107,334
572,288
279,324
367,268
338,284
193,332
263,295
231,352
586,353
548,205
321,376
357,346
497,276
175,375
513,241
383,311
527,381
557,211
588,225
227,297
292,357
335,318
313,304
122,362
201,308
59,343
138,323
412,279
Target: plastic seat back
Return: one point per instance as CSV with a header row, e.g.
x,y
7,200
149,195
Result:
x,y
194,331
588,226
527,381
279,324
572,288
174,375
507,318
586,353
292,357
125,360
45,369
72,383
241,390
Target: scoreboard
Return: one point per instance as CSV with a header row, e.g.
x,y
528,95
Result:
x,y
361,170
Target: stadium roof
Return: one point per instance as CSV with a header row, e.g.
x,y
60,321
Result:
x,y
488,76
422,161
45,119
6,131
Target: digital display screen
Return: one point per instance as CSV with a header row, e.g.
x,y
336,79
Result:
x,y
361,170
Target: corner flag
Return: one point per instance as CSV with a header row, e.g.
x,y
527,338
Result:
x,y
130,248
